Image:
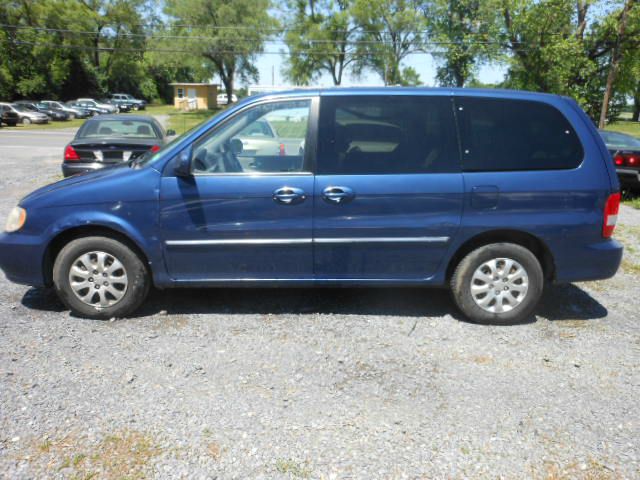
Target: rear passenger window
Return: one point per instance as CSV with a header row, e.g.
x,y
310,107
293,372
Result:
x,y
511,135
386,135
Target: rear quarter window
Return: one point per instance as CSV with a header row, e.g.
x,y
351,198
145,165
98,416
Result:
x,y
514,135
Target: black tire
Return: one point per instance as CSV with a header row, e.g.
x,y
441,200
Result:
x,y
461,284
26,121
137,275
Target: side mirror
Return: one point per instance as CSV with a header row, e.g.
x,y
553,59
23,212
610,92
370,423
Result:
x,y
171,133
236,146
183,163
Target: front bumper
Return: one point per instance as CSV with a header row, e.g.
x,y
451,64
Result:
x,y
22,258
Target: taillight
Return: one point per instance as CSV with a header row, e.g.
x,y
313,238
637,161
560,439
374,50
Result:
x,y
282,150
610,214
155,148
626,160
70,155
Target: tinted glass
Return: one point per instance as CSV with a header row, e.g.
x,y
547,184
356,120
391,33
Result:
x,y
510,135
267,138
117,128
386,135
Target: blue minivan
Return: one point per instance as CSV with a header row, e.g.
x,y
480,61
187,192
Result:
x,y
491,193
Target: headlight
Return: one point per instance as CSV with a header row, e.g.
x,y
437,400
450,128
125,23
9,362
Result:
x,y
16,219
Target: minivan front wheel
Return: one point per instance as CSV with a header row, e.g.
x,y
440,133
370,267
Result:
x,y
500,283
100,278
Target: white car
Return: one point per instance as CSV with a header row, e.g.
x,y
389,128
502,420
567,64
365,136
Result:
x,y
222,99
106,106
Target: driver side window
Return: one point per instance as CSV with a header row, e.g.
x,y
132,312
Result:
x,y
268,138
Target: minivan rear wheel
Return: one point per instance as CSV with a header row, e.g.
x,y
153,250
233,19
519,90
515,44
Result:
x,y
500,283
100,278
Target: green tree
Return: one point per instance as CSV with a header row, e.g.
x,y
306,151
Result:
x,y
466,33
226,35
390,30
320,40
568,47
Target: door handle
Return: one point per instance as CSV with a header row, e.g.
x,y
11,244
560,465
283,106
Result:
x,y
289,196
338,194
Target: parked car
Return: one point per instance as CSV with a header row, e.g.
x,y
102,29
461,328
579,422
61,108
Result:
x,y
106,106
71,111
123,106
222,99
53,114
90,107
136,103
109,140
625,151
8,116
514,191
27,115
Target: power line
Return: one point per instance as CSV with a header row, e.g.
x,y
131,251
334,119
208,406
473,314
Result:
x,y
152,36
220,52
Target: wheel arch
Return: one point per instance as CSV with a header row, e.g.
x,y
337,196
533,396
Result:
x,y
534,244
63,237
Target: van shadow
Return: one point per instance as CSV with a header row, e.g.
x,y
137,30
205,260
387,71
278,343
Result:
x,y
560,302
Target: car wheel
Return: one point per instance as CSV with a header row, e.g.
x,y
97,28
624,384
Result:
x,y
500,284
26,121
100,278
136,108
93,114
72,116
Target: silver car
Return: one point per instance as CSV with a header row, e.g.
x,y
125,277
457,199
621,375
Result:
x,y
27,116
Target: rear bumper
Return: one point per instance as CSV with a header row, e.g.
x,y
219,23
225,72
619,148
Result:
x,y
629,177
597,261
21,258
69,169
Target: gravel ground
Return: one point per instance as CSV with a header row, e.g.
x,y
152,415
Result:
x,y
327,384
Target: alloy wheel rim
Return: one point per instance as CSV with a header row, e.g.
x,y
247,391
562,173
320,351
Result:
x,y
499,285
98,279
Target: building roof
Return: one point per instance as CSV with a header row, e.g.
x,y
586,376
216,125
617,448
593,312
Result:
x,y
195,84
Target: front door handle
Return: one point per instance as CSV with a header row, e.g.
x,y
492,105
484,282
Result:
x,y
289,196
338,194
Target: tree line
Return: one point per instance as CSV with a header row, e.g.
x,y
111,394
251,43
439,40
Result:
x,y
586,49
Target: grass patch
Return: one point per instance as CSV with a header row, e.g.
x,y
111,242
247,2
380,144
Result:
x,y
631,199
625,126
75,123
292,468
286,129
126,454
183,121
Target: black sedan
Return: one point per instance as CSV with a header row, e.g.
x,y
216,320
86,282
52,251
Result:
x,y
625,151
110,140
8,116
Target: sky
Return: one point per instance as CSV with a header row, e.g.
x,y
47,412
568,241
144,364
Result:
x,y
424,65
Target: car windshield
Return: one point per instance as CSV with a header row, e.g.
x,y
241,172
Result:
x,y
117,128
22,108
620,140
